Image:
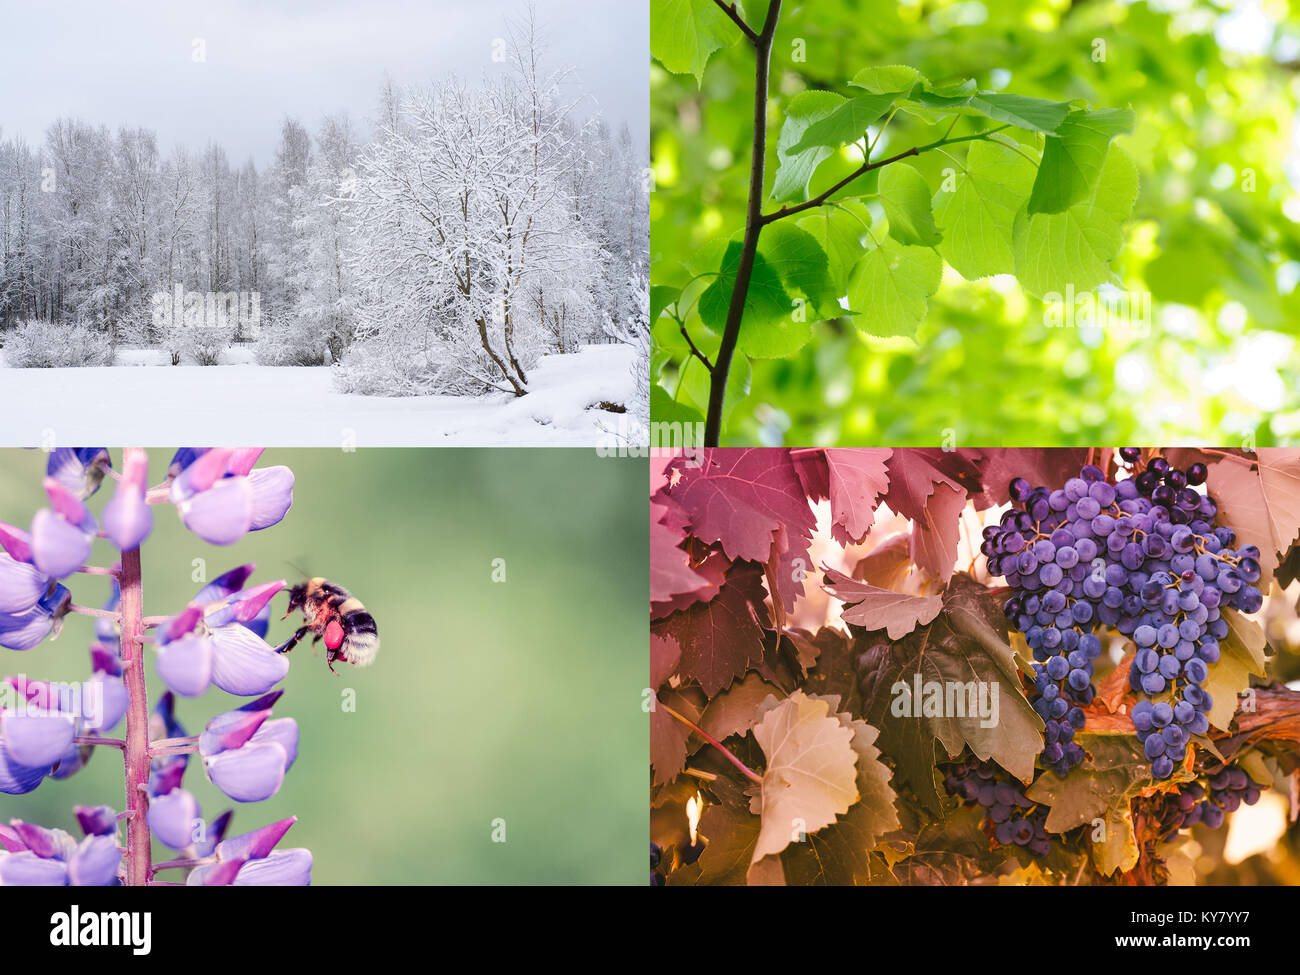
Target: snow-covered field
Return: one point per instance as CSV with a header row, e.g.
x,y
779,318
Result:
x,y
278,407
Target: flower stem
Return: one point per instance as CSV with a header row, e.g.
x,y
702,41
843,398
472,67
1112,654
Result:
x,y
103,614
138,853
110,742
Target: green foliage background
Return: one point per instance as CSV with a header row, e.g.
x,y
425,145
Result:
x,y
1219,258
516,700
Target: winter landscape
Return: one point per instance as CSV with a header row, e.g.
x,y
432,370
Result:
x,y
465,265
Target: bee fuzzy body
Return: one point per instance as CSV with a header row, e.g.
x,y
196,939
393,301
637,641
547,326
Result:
x,y
333,615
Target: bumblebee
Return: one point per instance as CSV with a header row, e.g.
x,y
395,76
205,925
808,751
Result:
x,y
334,615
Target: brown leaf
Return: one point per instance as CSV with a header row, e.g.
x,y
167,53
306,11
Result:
x,y
879,609
732,711
722,638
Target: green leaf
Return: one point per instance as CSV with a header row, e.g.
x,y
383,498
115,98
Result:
x,y
1073,158
802,265
1038,114
1057,251
795,169
891,287
839,231
765,301
695,379
666,409
683,33
661,296
888,78
905,195
789,262
847,123
978,217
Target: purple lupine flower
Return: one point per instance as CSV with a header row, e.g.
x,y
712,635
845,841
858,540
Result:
x,y
96,820
230,583
172,818
97,705
244,755
79,469
38,738
34,856
17,779
128,519
214,643
62,534
21,585
22,631
252,860
220,497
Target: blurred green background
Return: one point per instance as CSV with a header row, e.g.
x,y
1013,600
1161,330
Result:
x,y
518,700
1215,235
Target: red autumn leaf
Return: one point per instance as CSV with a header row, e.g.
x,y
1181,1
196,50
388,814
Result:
x,y
722,638
745,499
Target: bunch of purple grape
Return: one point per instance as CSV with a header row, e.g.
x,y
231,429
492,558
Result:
x,y
1016,819
1141,556
1210,800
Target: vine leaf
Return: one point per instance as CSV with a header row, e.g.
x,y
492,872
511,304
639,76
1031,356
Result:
x,y
891,286
979,215
913,473
795,168
846,123
1241,654
853,480
964,665
886,566
668,736
1047,465
876,609
905,196
840,854
746,500
671,573
732,711
664,656
935,536
732,833
1263,507
684,33
1114,772
1057,252
1074,156
811,774
722,638
1117,849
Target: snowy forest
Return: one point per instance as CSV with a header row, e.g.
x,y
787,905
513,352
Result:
x,y
442,246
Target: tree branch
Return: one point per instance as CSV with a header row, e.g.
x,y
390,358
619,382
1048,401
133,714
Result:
x,y
866,167
694,351
753,226
730,10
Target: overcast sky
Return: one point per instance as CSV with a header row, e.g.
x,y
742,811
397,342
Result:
x,y
133,63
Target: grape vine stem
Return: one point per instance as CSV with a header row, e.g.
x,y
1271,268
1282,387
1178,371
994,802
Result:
x,y
748,772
